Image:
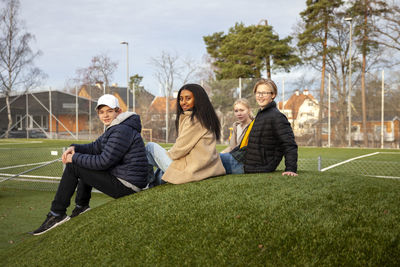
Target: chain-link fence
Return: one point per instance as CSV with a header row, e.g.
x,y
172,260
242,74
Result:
x,y
37,168
40,169
338,119
71,115
49,114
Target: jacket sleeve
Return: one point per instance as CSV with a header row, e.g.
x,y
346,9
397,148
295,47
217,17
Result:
x,y
117,144
91,148
190,133
286,137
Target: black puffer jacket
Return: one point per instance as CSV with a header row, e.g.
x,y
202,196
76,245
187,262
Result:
x,y
270,139
120,150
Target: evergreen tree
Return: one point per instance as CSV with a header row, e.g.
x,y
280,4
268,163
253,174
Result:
x,y
366,12
313,41
245,51
135,82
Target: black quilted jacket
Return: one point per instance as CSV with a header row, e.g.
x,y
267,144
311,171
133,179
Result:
x,y
270,139
120,150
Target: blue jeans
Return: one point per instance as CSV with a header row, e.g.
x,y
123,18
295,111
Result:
x,y
157,157
231,165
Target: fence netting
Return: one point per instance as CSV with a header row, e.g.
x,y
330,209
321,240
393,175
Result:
x,y
42,169
327,123
336,120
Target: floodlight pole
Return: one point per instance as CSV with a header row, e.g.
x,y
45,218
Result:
x,y
76,113
382,109
240,87
329,110
50,115
349,91
283,95
127,79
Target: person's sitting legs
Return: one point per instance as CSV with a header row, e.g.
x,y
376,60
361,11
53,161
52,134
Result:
x,y
101,180
231,165
157,157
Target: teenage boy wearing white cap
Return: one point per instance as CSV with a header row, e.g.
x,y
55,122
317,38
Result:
x,y
115,164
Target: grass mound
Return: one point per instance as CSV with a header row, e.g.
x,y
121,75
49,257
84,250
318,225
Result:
x,y
262,219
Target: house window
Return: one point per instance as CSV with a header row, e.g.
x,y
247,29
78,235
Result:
x,y
18,120
45,122
310,104
38,121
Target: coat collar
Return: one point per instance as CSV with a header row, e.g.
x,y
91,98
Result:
x,y
270,105
188,113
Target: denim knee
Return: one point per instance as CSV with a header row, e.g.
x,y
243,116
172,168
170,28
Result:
x,y
149,147
231,165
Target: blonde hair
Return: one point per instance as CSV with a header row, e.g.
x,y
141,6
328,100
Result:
x,y
245,103
270,83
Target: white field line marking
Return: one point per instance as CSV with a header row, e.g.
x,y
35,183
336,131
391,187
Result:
x,y
390,153
386,177
36,180
32,169
346,161
28,142
24,165
31,176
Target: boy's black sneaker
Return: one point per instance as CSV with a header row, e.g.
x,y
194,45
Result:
x,y
79,210
50,222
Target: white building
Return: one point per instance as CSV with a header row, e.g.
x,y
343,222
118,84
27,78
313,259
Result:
x,y
301,109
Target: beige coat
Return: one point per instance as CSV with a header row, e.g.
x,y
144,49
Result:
x,y
194,154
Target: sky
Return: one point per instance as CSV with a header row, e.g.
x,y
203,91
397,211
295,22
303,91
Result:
x,y
69,33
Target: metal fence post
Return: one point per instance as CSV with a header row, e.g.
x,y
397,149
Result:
x,y
63,150
319,163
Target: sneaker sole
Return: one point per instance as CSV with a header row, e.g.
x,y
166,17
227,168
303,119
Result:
x,y
80,213
57,224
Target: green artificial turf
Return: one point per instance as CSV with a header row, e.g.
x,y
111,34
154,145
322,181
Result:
x,y
22,211
315,219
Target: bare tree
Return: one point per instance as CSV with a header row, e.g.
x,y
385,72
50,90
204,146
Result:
x,y
305,81
388,27
101,69
170,68
17,71
166,70
313,44
366,12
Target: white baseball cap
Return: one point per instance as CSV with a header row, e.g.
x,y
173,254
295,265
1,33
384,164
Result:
x,y
108,100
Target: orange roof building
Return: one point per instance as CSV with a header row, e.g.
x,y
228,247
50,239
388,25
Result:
x,y
301,110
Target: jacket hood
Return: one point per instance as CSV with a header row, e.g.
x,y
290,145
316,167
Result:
x,y
128,118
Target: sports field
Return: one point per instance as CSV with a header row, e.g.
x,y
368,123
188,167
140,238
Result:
x,y
39,159
341,210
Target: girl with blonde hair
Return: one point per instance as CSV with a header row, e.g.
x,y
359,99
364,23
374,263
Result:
x,y
243,114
